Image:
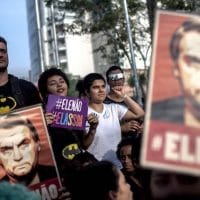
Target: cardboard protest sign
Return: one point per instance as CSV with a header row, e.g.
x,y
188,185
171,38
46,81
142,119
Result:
x,y
171,139
25,152
69,112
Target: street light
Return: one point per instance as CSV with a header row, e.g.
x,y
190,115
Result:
x,y
133,65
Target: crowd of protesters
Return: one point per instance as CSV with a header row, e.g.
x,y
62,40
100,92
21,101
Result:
x,y
100,139
106,165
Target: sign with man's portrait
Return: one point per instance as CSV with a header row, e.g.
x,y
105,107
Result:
x,y
171,136
25,152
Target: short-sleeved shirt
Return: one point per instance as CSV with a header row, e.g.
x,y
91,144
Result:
x,y
108,132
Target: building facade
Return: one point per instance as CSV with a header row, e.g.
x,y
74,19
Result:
x,y
50,46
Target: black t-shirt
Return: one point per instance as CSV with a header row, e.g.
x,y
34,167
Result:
x,y
7,102
17,94
61,139
108,101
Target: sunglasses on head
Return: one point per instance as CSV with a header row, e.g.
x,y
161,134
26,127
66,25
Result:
x,y
114,77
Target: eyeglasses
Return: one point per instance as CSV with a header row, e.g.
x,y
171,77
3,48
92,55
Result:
x,y
115,77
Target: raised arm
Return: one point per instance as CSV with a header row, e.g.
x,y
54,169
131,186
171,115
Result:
x,y
135,110
89,137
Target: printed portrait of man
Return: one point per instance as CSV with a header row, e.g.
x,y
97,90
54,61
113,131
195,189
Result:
x,y
171,136
184,48
19,151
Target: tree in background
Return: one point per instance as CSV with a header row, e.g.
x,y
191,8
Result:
x,y
72,90
178,5
105,19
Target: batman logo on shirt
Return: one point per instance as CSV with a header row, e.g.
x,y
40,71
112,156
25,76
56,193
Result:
x,y
7,104
70,151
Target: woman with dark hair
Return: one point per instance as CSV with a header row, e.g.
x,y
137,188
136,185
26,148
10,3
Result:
x,y
80,89
103,144
72,167
101,181
54,81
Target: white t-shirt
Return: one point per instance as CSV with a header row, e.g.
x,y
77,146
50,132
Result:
x,y
108,132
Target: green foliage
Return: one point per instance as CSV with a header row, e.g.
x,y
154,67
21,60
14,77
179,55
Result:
x,y
72,90
131,81
187,5
106,18
142,79
173,5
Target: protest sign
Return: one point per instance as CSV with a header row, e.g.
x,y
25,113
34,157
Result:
x,y
69,112
171,139
25,151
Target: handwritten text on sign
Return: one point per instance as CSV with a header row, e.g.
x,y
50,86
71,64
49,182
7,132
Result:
x,y
69,112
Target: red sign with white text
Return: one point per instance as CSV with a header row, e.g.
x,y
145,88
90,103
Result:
x,y
26,155
171,139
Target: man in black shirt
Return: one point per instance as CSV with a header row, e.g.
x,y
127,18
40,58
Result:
x,y
14,93
115,79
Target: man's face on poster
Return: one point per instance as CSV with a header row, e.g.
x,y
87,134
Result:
x,y
188,65
18,151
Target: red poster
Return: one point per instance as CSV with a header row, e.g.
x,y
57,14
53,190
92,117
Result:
x,y
171,138
25,151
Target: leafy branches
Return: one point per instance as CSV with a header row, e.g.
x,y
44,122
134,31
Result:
x,y
106,19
